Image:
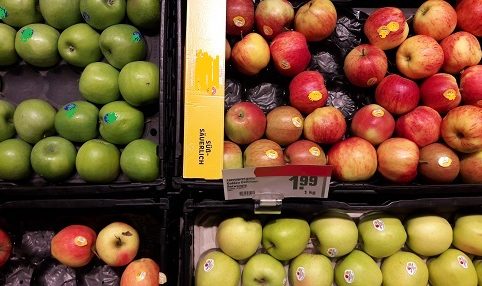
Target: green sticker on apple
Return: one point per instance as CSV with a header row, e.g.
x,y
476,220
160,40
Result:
x,y
26,34
70,109
110,117
3,13
136,37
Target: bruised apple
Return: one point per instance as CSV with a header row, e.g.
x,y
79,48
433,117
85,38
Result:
x,y
304,152
290,53
386,28
461,49
263,153
419,56
239,17
471,85
72,246
284,125
397,94
373,123
462,129
308,91
365,65
438,163
316,19
142,272
251,54
325,125
398,160
273,17
440,92
421,125
117,244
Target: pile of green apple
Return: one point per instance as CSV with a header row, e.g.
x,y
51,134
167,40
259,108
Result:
x,y
81,33
338,248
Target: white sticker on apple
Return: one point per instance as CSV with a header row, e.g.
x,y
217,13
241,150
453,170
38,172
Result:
x,y
331,252
208,265
462,261
379,225
349,276
300,273
411,268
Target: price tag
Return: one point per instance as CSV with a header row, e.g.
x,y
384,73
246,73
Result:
x,y
299,181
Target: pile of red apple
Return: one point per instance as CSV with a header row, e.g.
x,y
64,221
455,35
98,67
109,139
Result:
x,y
424,122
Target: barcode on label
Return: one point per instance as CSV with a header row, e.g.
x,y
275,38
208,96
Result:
x,y
246,193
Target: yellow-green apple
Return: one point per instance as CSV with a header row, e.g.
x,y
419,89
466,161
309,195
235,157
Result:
x,y
284,125
120,123
117,244
353,159
98,83
478,269
60,14
53,158
468,14
404,268
97,161
239,17
440,92
316,20
144,14
286,238
452,267
77,121
18,13
273,17
102,14
79,45
239,238
8,55
142,272
263,153
290,53
251,54
461,49
398,160
14,160
438,163
244,123
357,269
308,91
461,128
382,234
336,233
232,156
365,65
421,125
7,129
373,123
139,83
419,56
262,269
34,119
428,235
227,51
36,44
5,247
304,152
139,161
468,233
72,246
325,125
471,168
386,28
471,85
216,268
397,94
436,19
310,270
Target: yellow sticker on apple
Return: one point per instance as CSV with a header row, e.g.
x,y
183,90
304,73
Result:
x,y
315,151
315,95
450,94
141,276
239,21
372,81
393,26
378,112
267,30
272,154
298,122
284,64
383,32
444,162
80,241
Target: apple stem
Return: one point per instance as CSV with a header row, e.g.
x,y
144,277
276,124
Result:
x,y
422,162
363,52
119,241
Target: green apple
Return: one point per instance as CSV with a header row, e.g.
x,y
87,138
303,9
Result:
x,y
98,83
311,270
60,14
286,238
8,55
121,44
120,123
77,121
144,13
139,83
79,45
452,268
139,161
216,268
36,44
18,13
7,129
101,14
404,268
468,234
14,160
382,234
358,269
239,238
34,119
263,270
336,233
478,269
428,235
98,161
53,158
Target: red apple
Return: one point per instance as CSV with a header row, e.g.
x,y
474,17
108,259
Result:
x,y
251,54
440,92
398,160
469,13
397,94
325,125
304,152
308,91
72,246
386,28
353,159
471,85
239,17
461,50
316,19
373,123
227,50
273,17
421,125
436,19
263,153
232,156
438,163
142,272
290,53
244,123
419,56
365,65
471,168
5,247
462,129
117,244
284,125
